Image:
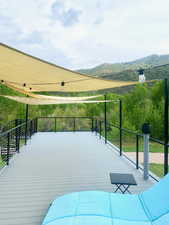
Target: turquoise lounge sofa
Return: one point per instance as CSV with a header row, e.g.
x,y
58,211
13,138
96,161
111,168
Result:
x,y
102,208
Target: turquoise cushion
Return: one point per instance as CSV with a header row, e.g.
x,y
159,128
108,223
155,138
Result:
x,y
80,203
93,206
156,199
163,220
103,208
127,207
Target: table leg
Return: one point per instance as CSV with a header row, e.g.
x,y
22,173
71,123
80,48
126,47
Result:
x,y
122,190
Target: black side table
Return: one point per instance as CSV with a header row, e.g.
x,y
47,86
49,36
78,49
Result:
x,y
122,181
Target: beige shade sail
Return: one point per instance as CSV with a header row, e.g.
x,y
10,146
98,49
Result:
x,y
36,101
31,74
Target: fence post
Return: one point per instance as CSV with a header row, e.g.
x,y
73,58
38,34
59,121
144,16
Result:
x,y
120,123
165,126
137,152
8,148
146,135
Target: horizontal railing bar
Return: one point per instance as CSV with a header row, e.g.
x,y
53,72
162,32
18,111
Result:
x,y
63,117
13,129
156,140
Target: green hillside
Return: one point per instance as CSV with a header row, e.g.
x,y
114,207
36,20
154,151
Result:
x,y
127,71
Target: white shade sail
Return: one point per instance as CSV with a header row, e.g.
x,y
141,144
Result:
x,y
36,101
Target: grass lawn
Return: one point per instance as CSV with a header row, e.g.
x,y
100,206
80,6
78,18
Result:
x,y
2,163
157,169
131,147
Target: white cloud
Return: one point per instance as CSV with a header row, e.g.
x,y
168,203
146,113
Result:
x,y
86,33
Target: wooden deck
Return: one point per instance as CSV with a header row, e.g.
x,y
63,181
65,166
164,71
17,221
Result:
x,y
53,164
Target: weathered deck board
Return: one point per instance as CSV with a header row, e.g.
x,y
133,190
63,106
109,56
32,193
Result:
x,y
53,164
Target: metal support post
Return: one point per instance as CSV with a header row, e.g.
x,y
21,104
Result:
x,y
146,135
137,152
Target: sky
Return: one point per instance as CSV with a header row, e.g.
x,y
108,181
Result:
x,y
85,33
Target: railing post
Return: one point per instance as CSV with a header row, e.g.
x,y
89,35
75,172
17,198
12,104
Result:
x,y
165,126
105,119
16,136
26,123
120,123
30,124
36,125
96,126
19,134
74,124
146,135
100,124
33,126
137,152
55,124
8,148
92,125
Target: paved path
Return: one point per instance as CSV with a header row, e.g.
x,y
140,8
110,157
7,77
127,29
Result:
x,y
153,157
53,164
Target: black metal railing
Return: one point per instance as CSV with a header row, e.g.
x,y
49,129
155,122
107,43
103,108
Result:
x,y
13,139
60,124
129,144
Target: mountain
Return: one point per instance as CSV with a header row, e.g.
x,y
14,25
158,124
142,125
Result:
x,y
127,71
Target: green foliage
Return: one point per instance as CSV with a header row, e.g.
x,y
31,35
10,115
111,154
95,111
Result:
x,y
157,169
143,104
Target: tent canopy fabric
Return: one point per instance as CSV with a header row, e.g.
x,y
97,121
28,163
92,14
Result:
x,y
30,74
36,101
